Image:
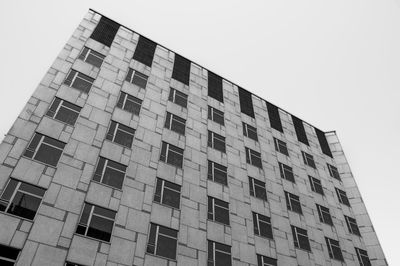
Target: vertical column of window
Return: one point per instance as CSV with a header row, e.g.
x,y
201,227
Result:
x,y
181,70
246,103
323,143
274,118
144,52
300,131
105,31
215,87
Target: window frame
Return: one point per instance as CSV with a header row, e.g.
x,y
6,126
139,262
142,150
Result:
x,y
174,93
86,52
361,256
352,225
342,196
213,113
212,166
214,139
300,232
9,254
266,261
136,103
281,146
290,200
259,221
58,104
165,146
105,164
251,155
308,160
116,129
171,120
286,172
250,131
73,75
253,190
213,204
333,172
211,260
324,215
161,186
155,233
331,245
313,182
133,76
35,145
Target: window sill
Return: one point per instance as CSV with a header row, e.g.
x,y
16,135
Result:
x,y
94,239
167,206
45,164
161,257
228,225
114,188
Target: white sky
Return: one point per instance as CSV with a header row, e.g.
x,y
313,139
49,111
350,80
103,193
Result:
x,y
334,64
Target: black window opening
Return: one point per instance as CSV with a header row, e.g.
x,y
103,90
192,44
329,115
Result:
x,y
162,241
129,103
21,199
137,78
79,81
105,31
316,185
181,70
257,188
352,226
167,193
178,97
274,118
266,261
96,222
218,210
216,141
253,158
8,255
45,149
323,143
217,173
215,87
300,238
334,249
286,172
281,146
64,111
262,225
110,173
300,131
250,131
175,123
91,57
308,159
120,134
362,256
333,171
171,154
218,254
342,196
67,263
293,203
246,103
216,115
144,52
324,215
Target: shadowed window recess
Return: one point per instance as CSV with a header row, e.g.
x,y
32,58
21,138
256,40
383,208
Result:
x,y
334,249
262,225
266,261
257,188
218,210
137,78
352,226
253,157
362,256
300,131
105,31
79,81
91,57
281,146
300,238
120,134
64,111
218,254
144,52
181,70
274,118
246,103
216,115
167,193
316,185
342,196
324,215
175,123
333,172
293,202
8,255
171,154
217,173
178,97
215,87
162,241
250,131
216,141
129,103
308,159
45,149
110,173
286,172
323,143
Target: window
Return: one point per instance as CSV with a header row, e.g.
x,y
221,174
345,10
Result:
x,y
250,132
178,97
64,111
171,154
262,225
72,264
342,196
286,172
352,226
333,171
323,142
363,258
79,81
246,103
218,210
253,158
274,118
217,173
218,254
92,57
324,215
137,78
110,173
181,70
21,199
129,103
120,134
216,141
293,203
96,222
215,115
308,159
266,261
167,193
162,241
45,149
215,87
300,131
334,249
300,238
8,255
144,51
316,185
281,146
257,188
105,31
175,123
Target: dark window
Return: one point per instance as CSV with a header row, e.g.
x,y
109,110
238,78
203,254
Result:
x,y
129,103
246,103
215,87
266,261
281,146
308,159
216,141
334,249
324,215
217,173
21,199
218,210
96,222
178,97
218,254
253,158
286,172
45,149
257,188
363,258
333,171
181,71
300,131
316,185
167,193
342,196
8,255
171,154
175,123
352,226
64,111
293,202
105,31
72,264
120,134
162,241
300,238
262,225
137,78
323,143
274,118
249,131
110,173
79,81
144,51
215,115
92,57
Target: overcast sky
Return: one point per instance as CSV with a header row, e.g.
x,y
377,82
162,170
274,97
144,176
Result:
x,y
334,64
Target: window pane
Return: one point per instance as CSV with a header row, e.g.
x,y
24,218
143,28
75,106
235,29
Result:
x,y
222,259
95,59
66,115
166,247
113,178
32,189
7,193
24,205
221,215
171,198
123,138
82,84
100,228
48,155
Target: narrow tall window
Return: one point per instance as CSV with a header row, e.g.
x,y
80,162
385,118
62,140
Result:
x,y
144,51
323,142
342,196
281,146
129,103
216,141
274,118
162,241
300,238
257,188
362,257
262,225
352,226
334,249
308,159
21,199
333,172
181,70
178,97
217,173
316,185
137,78
171,154
45,149
218,210
64,111
266,261
250,132
105,31
120,134
246,103
175,123
324,215
215,87
253,158
218,254
293,202
92,57
216,115
286,172
79,81
167,193
110,173
8,255
300,131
